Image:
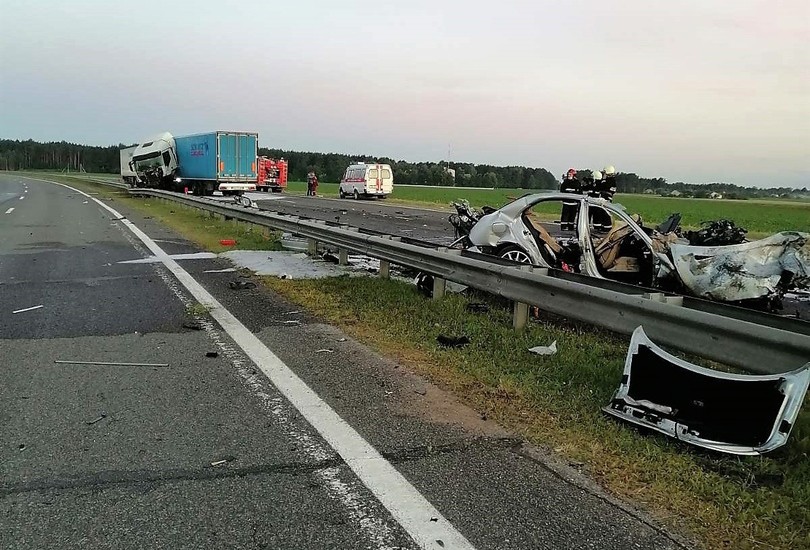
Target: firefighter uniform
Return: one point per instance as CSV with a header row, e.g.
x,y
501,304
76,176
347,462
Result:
x,y
570,184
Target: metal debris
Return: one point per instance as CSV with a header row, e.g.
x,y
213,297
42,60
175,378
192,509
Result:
x,y
452,341
212,354
110,363
240,285
99,419
325,350
477,307
26,309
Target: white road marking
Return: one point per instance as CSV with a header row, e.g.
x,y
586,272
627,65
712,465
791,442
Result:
x,y
10,210
155,259
418,517
26,309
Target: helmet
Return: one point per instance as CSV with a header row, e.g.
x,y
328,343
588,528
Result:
x,y
597,175
572,172
609,170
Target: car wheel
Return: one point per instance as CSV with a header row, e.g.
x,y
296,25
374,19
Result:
x,y
356,195
515,254
341,194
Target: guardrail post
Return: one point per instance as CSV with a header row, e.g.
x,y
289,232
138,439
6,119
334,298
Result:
x,y
520,315
312,247
343,257
439,286
385,267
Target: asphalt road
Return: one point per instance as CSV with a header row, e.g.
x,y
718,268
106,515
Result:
x,y
207,452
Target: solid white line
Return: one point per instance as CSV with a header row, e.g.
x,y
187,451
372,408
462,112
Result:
x,y
26,309
10,210
420,519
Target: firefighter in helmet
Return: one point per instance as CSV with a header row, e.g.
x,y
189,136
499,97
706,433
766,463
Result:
x,y
570,184
604,188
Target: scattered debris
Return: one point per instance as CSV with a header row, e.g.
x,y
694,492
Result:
x,y
22,446
293,322
99,419
325,350
477,307
227,242
223,461
732,413
85,202
285,276
26,309
157,259
328,256
211,354
226,270
296,312
545,350
341,339
241,285
452,341
110,363
420,392
717,233
193,325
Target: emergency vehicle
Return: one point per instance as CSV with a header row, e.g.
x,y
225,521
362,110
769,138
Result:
x,y
272,175
367,180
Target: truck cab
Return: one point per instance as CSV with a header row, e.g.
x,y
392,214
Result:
x,y
155,161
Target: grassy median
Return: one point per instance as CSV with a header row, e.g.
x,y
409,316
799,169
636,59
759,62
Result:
x,y
555,402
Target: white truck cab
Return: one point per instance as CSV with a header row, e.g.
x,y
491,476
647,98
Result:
x,y
155,161
367,180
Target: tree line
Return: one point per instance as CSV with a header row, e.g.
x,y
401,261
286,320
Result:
x,y
62,155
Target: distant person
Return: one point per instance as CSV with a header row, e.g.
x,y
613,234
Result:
x,y
570,184
312,183
608,185
600,218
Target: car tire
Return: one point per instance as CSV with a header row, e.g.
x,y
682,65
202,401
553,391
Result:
x,y
341,194
356,195
515,254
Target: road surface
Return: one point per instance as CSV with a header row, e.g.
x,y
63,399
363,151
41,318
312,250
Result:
x,y
344,449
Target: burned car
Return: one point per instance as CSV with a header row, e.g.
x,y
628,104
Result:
x,y
740,414
752,273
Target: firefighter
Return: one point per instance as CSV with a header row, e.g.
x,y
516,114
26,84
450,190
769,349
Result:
x,y
312,184
604,188
600,218
608,186
570,184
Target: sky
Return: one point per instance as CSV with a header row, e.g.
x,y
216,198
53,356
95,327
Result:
x,y
693,90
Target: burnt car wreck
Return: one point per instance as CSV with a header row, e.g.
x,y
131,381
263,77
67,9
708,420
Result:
x,y
731,413
756,273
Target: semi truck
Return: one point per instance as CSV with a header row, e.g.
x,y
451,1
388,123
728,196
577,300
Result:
x,y
198,163
127,174
272,175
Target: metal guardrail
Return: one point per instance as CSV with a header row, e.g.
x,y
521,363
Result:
x,y
754,347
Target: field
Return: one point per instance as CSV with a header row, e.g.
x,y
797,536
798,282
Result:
x,y
760,216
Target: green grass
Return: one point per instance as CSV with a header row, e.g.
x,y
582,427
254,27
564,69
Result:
x,y
760,216
555,402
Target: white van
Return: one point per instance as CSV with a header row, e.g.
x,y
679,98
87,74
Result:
x,y
367,180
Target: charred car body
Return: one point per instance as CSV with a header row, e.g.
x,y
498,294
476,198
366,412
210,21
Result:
x,y
754,273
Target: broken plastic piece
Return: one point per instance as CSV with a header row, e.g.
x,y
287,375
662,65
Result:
x,y
211,354
111,364
26,309
545,350
475,307
740,414
99,419
325,351
239,285
227,242
452,341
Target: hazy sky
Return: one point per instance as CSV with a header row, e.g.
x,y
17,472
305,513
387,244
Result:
x,y
691,90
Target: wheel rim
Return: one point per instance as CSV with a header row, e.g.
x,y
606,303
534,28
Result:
x,y
517,256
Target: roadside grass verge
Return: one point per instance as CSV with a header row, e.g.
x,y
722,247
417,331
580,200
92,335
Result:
x,y
197,226
728,502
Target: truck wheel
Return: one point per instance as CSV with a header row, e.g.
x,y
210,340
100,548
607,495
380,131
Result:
x,y
276,189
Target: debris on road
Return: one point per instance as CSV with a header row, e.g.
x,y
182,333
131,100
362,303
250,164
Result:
x,y
328,256
110,363
241,285
341,339
211,354
477,307
452,341
27,309
296,312
739,414
223,461
226,270
193,325
545,350
22,446
325,350
99,419
227,242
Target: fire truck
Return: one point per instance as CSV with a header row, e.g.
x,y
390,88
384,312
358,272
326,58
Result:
x,y
272,175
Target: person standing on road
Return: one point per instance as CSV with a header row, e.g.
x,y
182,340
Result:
x,y
570,184
311,183
314,184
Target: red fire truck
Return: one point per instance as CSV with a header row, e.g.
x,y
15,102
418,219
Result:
x,y
272,175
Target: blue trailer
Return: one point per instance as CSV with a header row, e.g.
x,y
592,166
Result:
x,y
224,161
